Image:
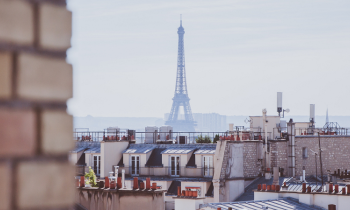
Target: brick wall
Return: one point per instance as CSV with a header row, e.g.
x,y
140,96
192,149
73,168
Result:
x,y
335,155
279,156
35,83
251,164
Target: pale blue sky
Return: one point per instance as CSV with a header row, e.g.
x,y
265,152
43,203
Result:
x,y
238,55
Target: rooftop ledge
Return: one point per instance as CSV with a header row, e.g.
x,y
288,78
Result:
x,y
296,192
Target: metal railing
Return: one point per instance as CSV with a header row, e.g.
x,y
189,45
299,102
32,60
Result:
x,y
168,171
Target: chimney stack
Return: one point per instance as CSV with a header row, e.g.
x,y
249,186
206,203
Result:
x,y
148,183
136,183
82,181
332,207
154,186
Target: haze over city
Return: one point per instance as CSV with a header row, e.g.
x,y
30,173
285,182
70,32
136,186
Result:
x,y
238,55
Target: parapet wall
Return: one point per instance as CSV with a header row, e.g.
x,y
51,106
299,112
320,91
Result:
x,y
252,156
107,199
335,154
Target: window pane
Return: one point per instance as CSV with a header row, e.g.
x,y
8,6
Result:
x,y
177,165
132,164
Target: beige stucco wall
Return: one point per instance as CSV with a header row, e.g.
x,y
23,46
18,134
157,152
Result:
x,y
301,127
111,153
257,121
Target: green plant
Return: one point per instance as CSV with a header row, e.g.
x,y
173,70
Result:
x,y
200,139
216,138
91,177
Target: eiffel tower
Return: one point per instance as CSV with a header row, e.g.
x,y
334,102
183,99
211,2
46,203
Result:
x,y
181,121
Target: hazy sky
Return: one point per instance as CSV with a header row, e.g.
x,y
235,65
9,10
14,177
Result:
x,y
238,55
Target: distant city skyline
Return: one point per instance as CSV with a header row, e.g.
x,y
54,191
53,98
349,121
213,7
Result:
x,y
239,54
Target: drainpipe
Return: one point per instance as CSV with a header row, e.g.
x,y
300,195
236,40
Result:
x,y
291,149
116,168
267,162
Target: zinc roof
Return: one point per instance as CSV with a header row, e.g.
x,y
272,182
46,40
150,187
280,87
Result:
x,y
139,150
205,151
284,203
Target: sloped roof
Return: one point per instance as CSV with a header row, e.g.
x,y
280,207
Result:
x,y
80,146
93,150
284,203
206,151
156,158
139,149
179,150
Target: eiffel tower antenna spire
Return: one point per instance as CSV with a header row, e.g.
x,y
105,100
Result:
x,y
181,102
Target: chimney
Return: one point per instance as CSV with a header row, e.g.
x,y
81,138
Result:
x,y
82,182
179,191
154,186
119,182
330,188
304,188
142,185
123,179
136,183
308,189
148,183
259,187
336,188
264,187
106,182
277,188
332,207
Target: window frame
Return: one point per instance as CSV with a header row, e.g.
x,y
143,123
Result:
x,y
97,169
176,166
136,167
206,167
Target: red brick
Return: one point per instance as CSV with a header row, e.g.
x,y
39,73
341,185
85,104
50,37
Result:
x,y
55,27
45,185
5,75
16,22
17,132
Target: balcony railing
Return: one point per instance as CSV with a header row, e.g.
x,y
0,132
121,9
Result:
x,y
168,171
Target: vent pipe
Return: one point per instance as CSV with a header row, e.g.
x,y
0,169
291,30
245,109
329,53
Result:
x,y
312,113
279,103
123,178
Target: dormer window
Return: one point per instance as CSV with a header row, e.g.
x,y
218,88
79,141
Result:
x,y
175,165
135,165
208,168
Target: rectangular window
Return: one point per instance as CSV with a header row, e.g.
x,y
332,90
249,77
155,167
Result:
x,y
97,163
208,168
175,165
305,152
135,165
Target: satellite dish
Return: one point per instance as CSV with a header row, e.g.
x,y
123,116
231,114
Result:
x,y
287,110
